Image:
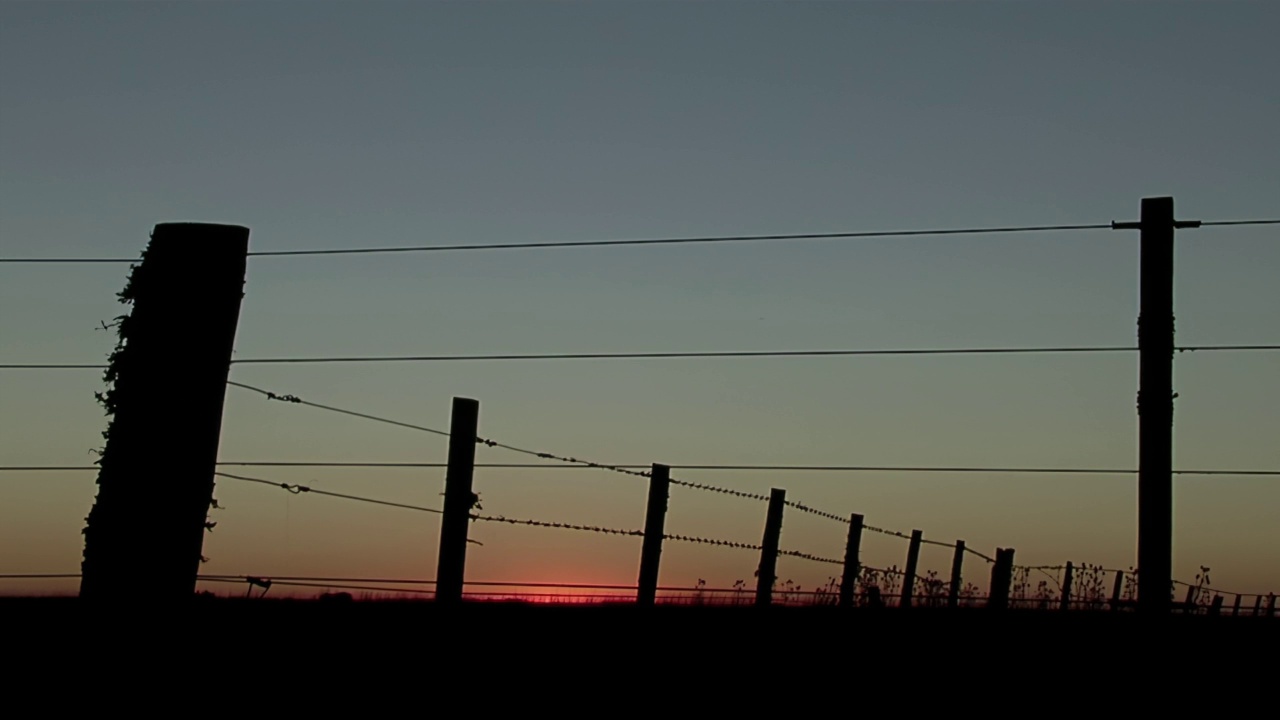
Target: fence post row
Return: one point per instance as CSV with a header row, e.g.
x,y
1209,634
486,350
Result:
x,y
655,519
852,550
155,482
957,563
458,500
768,572
913,561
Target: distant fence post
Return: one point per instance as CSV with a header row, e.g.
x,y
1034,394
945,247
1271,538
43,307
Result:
x,y
1271,604
458,500
852,548
1235,607
655,519
1189,605
1066,587
168,381
768,571
1115,590
1216,607
957,563
913,561
1257,607
1001,577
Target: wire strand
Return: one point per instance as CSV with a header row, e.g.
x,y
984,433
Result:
x,y
299,401
299,489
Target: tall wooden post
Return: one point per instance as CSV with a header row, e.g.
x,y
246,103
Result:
x,y
458,500
913,561
768,572
655,519
168,381
852,551
1066,587
1155,403
1115,590
957,565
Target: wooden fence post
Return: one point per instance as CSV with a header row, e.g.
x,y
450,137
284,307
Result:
x,y
1115,590
168,381
1216,607
1235,607
1271,604
768,572
1188,605
852,548
913,561
1257,607
655,519
458,500
1066,587
957,562
1001,577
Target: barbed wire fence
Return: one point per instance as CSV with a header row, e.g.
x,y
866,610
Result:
x,y
1062,574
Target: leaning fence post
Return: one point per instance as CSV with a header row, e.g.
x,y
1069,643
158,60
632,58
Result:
x,y
767,573
1115,590
655,518
957,561
458,500
1066,587
168,381
913,561
852,547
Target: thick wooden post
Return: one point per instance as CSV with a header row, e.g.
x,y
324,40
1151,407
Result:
x,y
458,500
768,572
655,519
168,380
1155,406
1066,587
913,560
1115,590
957,563
1001,577
1216,607
852,550
1235,607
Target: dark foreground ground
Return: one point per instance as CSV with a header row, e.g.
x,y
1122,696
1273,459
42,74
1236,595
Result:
x,y
765,658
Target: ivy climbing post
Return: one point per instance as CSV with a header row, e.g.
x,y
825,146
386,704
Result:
x,y
166,383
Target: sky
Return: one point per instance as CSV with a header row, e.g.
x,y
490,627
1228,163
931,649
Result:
x,y
329,125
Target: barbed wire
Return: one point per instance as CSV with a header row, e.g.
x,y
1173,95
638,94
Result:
x,y
558,525
299,489
299,401
582,465
562,458
712,541
689,354
814,511
718,489
808,556
976,553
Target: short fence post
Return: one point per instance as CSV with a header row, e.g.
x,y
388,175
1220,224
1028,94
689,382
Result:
x,y
1189,604
1271,604
852,548
1115,590
767,573
1216,607
458,500
1257,607
1235,607
913,560
655,518
1066,587
1001,577
957,561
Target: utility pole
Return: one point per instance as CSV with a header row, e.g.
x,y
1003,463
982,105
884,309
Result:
x,y
1155,403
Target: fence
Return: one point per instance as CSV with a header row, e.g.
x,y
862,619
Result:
x,y
135,529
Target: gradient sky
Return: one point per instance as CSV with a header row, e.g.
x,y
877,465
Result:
x,y
361,124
